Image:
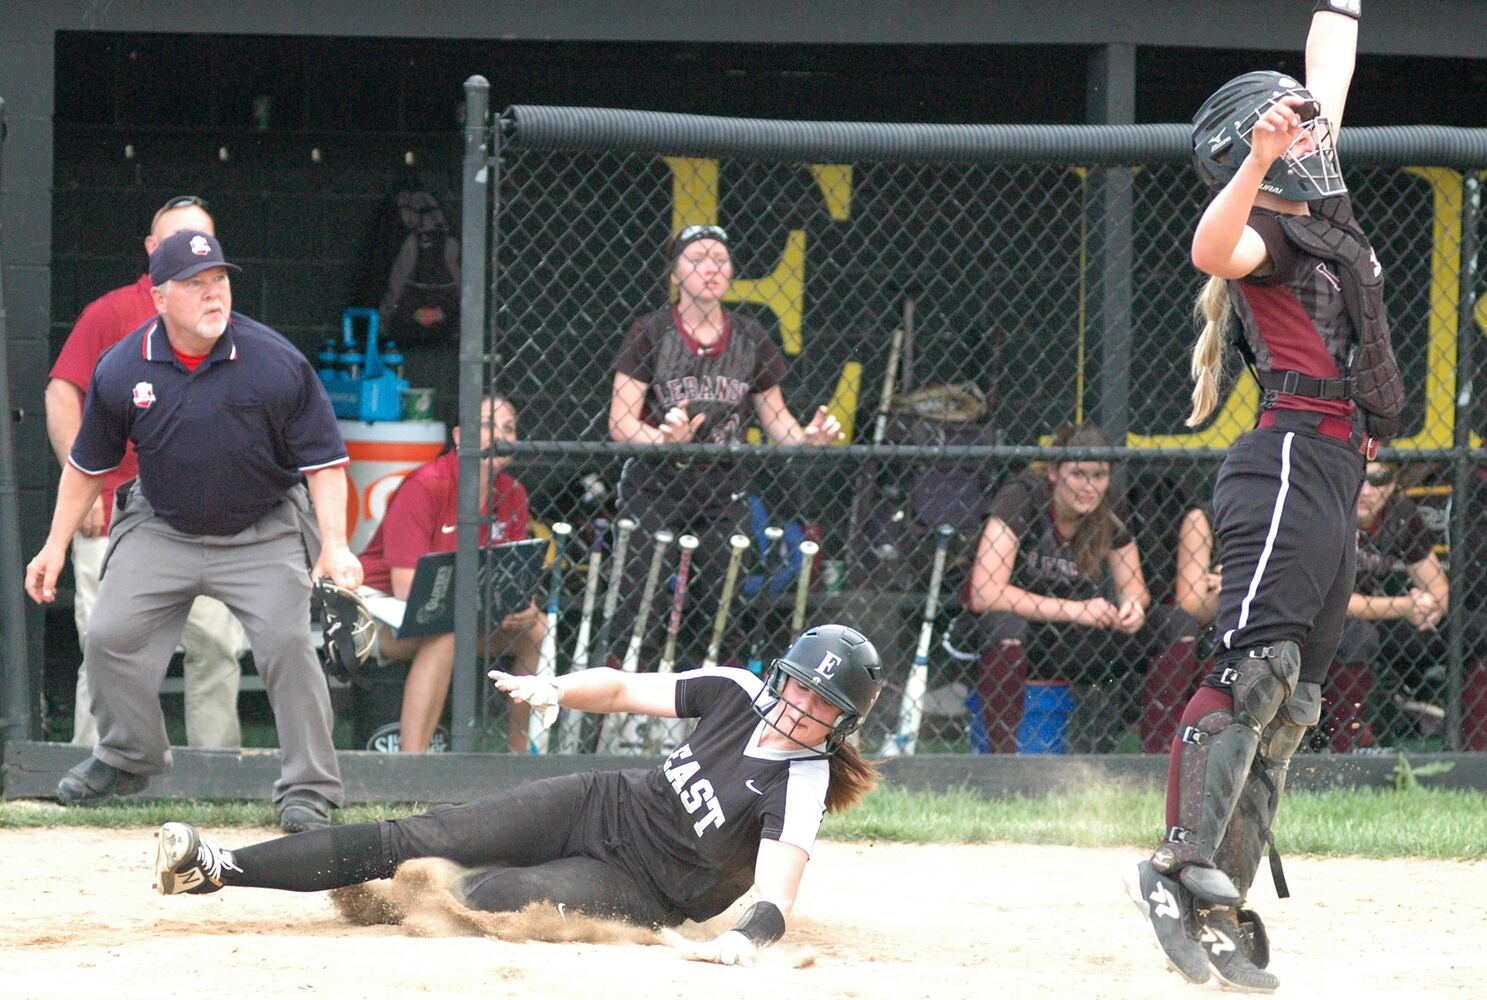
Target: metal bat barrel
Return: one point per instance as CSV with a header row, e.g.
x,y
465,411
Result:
x,y
617,723
547,660
808,550
570,724
911,713
738,544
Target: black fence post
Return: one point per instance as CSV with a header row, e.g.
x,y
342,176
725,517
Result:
x,y
467,613
1463,477
15,698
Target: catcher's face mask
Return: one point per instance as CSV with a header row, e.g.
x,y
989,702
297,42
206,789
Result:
x,y
348,631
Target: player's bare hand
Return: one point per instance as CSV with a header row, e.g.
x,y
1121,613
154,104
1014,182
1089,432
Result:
x,y
728,948
1097,612
540,692
337,564
823,428
678,427
92,525
1130,616
1425,611
42,572
1214,580
520,621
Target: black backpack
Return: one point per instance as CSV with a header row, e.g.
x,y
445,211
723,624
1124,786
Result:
x,y
421,304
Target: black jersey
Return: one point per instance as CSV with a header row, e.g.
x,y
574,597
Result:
x,y
1398,540
692,826
1046,561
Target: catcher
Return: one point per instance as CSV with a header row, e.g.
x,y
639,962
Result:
x,y
738,803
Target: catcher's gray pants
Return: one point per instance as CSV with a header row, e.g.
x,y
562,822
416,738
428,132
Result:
x,y
151,575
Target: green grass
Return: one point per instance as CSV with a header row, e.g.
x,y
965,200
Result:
x,y
1419,822
1413,822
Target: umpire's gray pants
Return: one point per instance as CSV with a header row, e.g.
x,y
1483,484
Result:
x,y
151,575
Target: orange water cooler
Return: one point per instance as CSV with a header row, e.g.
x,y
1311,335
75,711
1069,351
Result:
x,y
381,455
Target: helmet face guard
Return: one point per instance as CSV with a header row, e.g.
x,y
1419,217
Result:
x,y
348,632
1306,171
837,663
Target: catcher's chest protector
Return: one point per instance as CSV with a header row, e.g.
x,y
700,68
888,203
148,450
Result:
x,y
1333,235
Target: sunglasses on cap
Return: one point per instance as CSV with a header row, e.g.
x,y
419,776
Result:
x,y
184,201
702,233
1379,479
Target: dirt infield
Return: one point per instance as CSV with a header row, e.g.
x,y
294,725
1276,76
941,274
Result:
x,y
78,917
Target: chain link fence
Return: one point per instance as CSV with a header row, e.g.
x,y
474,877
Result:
x,y
958,305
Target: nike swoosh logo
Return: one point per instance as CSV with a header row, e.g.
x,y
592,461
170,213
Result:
x,y
750,786
448,529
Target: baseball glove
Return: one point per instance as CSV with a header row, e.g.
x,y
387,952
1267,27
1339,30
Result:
x,y
348,630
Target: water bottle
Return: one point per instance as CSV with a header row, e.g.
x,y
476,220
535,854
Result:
x,y
393,359
329,358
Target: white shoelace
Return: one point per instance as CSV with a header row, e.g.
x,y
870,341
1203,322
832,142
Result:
x,y
212,860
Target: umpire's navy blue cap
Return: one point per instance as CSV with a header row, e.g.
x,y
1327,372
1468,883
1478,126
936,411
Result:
x,y
184,254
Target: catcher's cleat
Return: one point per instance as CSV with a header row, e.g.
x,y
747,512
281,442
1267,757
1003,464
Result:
x,y
186,863
1168,911
1228,948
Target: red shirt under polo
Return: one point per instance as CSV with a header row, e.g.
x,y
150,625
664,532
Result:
x,y
423,515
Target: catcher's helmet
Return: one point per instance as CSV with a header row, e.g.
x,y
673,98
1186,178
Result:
x,y
1308,170
348,632
841,665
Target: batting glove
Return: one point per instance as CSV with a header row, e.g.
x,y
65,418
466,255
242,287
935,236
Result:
x,y
541,693
728,948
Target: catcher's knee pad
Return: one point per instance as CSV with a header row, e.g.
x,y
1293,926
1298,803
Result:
x,y
1249,828
1261,680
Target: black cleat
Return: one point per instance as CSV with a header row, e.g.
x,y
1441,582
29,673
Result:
x,y
1168,911
1229,949
186,863
92,783
304,810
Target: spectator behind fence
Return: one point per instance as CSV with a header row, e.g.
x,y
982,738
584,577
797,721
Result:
x,y
229,422
421,518
1057,592
212,637
688,373
1400,595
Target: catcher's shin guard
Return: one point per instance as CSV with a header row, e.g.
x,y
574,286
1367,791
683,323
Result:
x,y
1249,828
1214,757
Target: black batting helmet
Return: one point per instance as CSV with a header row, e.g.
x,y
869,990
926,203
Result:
x,y
841,665
1221,138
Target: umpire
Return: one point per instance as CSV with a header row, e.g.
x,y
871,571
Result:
x,y
230,424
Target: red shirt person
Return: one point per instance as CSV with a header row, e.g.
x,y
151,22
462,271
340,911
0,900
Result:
x,y
421,518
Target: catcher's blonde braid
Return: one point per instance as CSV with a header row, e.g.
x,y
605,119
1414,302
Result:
x,y
1212,310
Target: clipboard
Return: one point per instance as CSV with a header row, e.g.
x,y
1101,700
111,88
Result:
x,y
513,570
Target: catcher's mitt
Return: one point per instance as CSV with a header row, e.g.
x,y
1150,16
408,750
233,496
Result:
x,y
348,631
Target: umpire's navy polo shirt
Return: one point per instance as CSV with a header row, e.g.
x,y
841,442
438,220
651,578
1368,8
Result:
x,y
220,446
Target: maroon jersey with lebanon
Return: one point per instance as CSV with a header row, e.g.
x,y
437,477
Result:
x,y
1046,561
1397,540
715,381
692,826
1295,318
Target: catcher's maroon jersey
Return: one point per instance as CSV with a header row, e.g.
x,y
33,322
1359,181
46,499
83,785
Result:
x,y
693,825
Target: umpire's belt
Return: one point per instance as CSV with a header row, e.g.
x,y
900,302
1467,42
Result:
x,y
1297,384
1320,423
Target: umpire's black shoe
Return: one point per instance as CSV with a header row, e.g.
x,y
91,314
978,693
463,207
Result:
x,y
304,810
1229,949
186,863
1168,911
93,783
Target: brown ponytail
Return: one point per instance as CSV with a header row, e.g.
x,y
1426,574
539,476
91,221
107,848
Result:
x,y
1211,309
852,777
